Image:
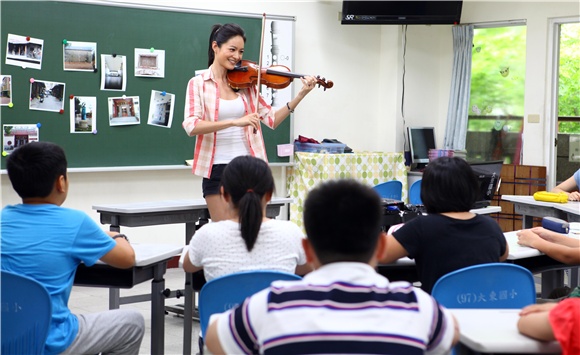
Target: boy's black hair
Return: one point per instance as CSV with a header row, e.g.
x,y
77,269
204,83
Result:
x,y
448,185
33,168
246,180
342,219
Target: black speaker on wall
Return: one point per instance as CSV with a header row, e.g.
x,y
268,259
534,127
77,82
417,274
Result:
x,y
378,12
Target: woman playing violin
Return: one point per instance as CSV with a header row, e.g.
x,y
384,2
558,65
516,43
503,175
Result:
x,y
225,121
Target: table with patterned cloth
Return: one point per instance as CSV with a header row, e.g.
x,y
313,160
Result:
x,y
310,169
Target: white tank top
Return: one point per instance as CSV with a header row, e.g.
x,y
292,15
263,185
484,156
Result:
x,y
230,142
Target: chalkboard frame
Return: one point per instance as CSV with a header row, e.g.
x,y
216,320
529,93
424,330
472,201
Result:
x,y
132,147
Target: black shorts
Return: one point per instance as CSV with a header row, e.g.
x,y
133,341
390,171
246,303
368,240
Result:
x,y
211,186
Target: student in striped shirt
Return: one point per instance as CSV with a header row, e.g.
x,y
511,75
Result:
x,y
344,306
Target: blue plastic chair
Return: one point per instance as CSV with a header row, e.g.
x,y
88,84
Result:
x,y
415,193
223,293
26,314
494,285
390,189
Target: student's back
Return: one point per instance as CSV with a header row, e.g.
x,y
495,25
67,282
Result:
x,y
47,242
248,240
449,237
343,306
219,248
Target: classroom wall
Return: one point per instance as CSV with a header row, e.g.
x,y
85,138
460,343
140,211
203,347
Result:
x,y
363,109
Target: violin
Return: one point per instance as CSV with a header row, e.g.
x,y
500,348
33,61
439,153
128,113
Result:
x,y
246,74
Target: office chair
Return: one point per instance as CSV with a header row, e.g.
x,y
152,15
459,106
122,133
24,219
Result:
x,y
415,193
494,285
390,189
26,314
223,293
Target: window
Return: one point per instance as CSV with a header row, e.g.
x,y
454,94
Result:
x,y
569,79
496,105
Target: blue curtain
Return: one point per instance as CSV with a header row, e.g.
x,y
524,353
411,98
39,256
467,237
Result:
x,y
457,112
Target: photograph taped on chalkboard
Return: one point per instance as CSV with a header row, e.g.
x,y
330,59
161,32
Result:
x,y
124,111
83,114
15,135
25,52
5,90
150,63
46,95
79,56
113,72
161,109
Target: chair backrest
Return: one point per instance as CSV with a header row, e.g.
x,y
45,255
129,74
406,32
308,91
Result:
x,y
494,285
223,293
415,193
26,314
390,189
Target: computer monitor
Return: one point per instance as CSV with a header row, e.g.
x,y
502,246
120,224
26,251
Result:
x,y
488,177
421,139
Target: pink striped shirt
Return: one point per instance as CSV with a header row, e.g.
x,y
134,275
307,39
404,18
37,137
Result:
x,y
202,103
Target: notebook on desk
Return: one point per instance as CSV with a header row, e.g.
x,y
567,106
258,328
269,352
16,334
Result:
x,y
488,177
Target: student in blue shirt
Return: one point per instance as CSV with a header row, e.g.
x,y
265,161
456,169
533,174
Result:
x,y
570,186
46,242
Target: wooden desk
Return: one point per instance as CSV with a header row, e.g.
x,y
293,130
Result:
x,y
488,331
530,258
188,212
371,168
151,264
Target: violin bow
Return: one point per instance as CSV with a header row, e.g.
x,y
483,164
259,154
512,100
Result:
x,y
260,64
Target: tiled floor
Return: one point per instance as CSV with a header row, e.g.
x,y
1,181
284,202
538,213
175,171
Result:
x,y
89,299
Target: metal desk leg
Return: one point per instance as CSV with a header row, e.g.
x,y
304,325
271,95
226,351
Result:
x,y
574,277
188,302
551,280
114,298
158,310
527,221
187,314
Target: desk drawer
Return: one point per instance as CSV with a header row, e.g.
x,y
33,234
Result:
x,y
100,275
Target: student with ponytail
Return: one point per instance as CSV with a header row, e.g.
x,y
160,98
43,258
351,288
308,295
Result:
x,y
248,240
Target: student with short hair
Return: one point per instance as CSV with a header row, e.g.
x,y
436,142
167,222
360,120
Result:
x,y
248,240
449,237
47,242
344,306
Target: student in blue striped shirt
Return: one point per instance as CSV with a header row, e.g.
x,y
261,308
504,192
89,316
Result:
x,y
344,306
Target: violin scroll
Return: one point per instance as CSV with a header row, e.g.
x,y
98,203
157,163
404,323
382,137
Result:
x,y
322,82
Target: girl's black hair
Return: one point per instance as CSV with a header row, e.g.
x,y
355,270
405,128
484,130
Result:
x,y
222,34
449,185
246,180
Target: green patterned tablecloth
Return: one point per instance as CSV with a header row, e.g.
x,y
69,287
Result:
x,y
312,168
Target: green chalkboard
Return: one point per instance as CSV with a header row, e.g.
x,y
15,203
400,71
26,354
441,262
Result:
x,y
183,35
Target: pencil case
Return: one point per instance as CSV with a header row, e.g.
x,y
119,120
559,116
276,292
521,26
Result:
x,y
556,224
557,197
